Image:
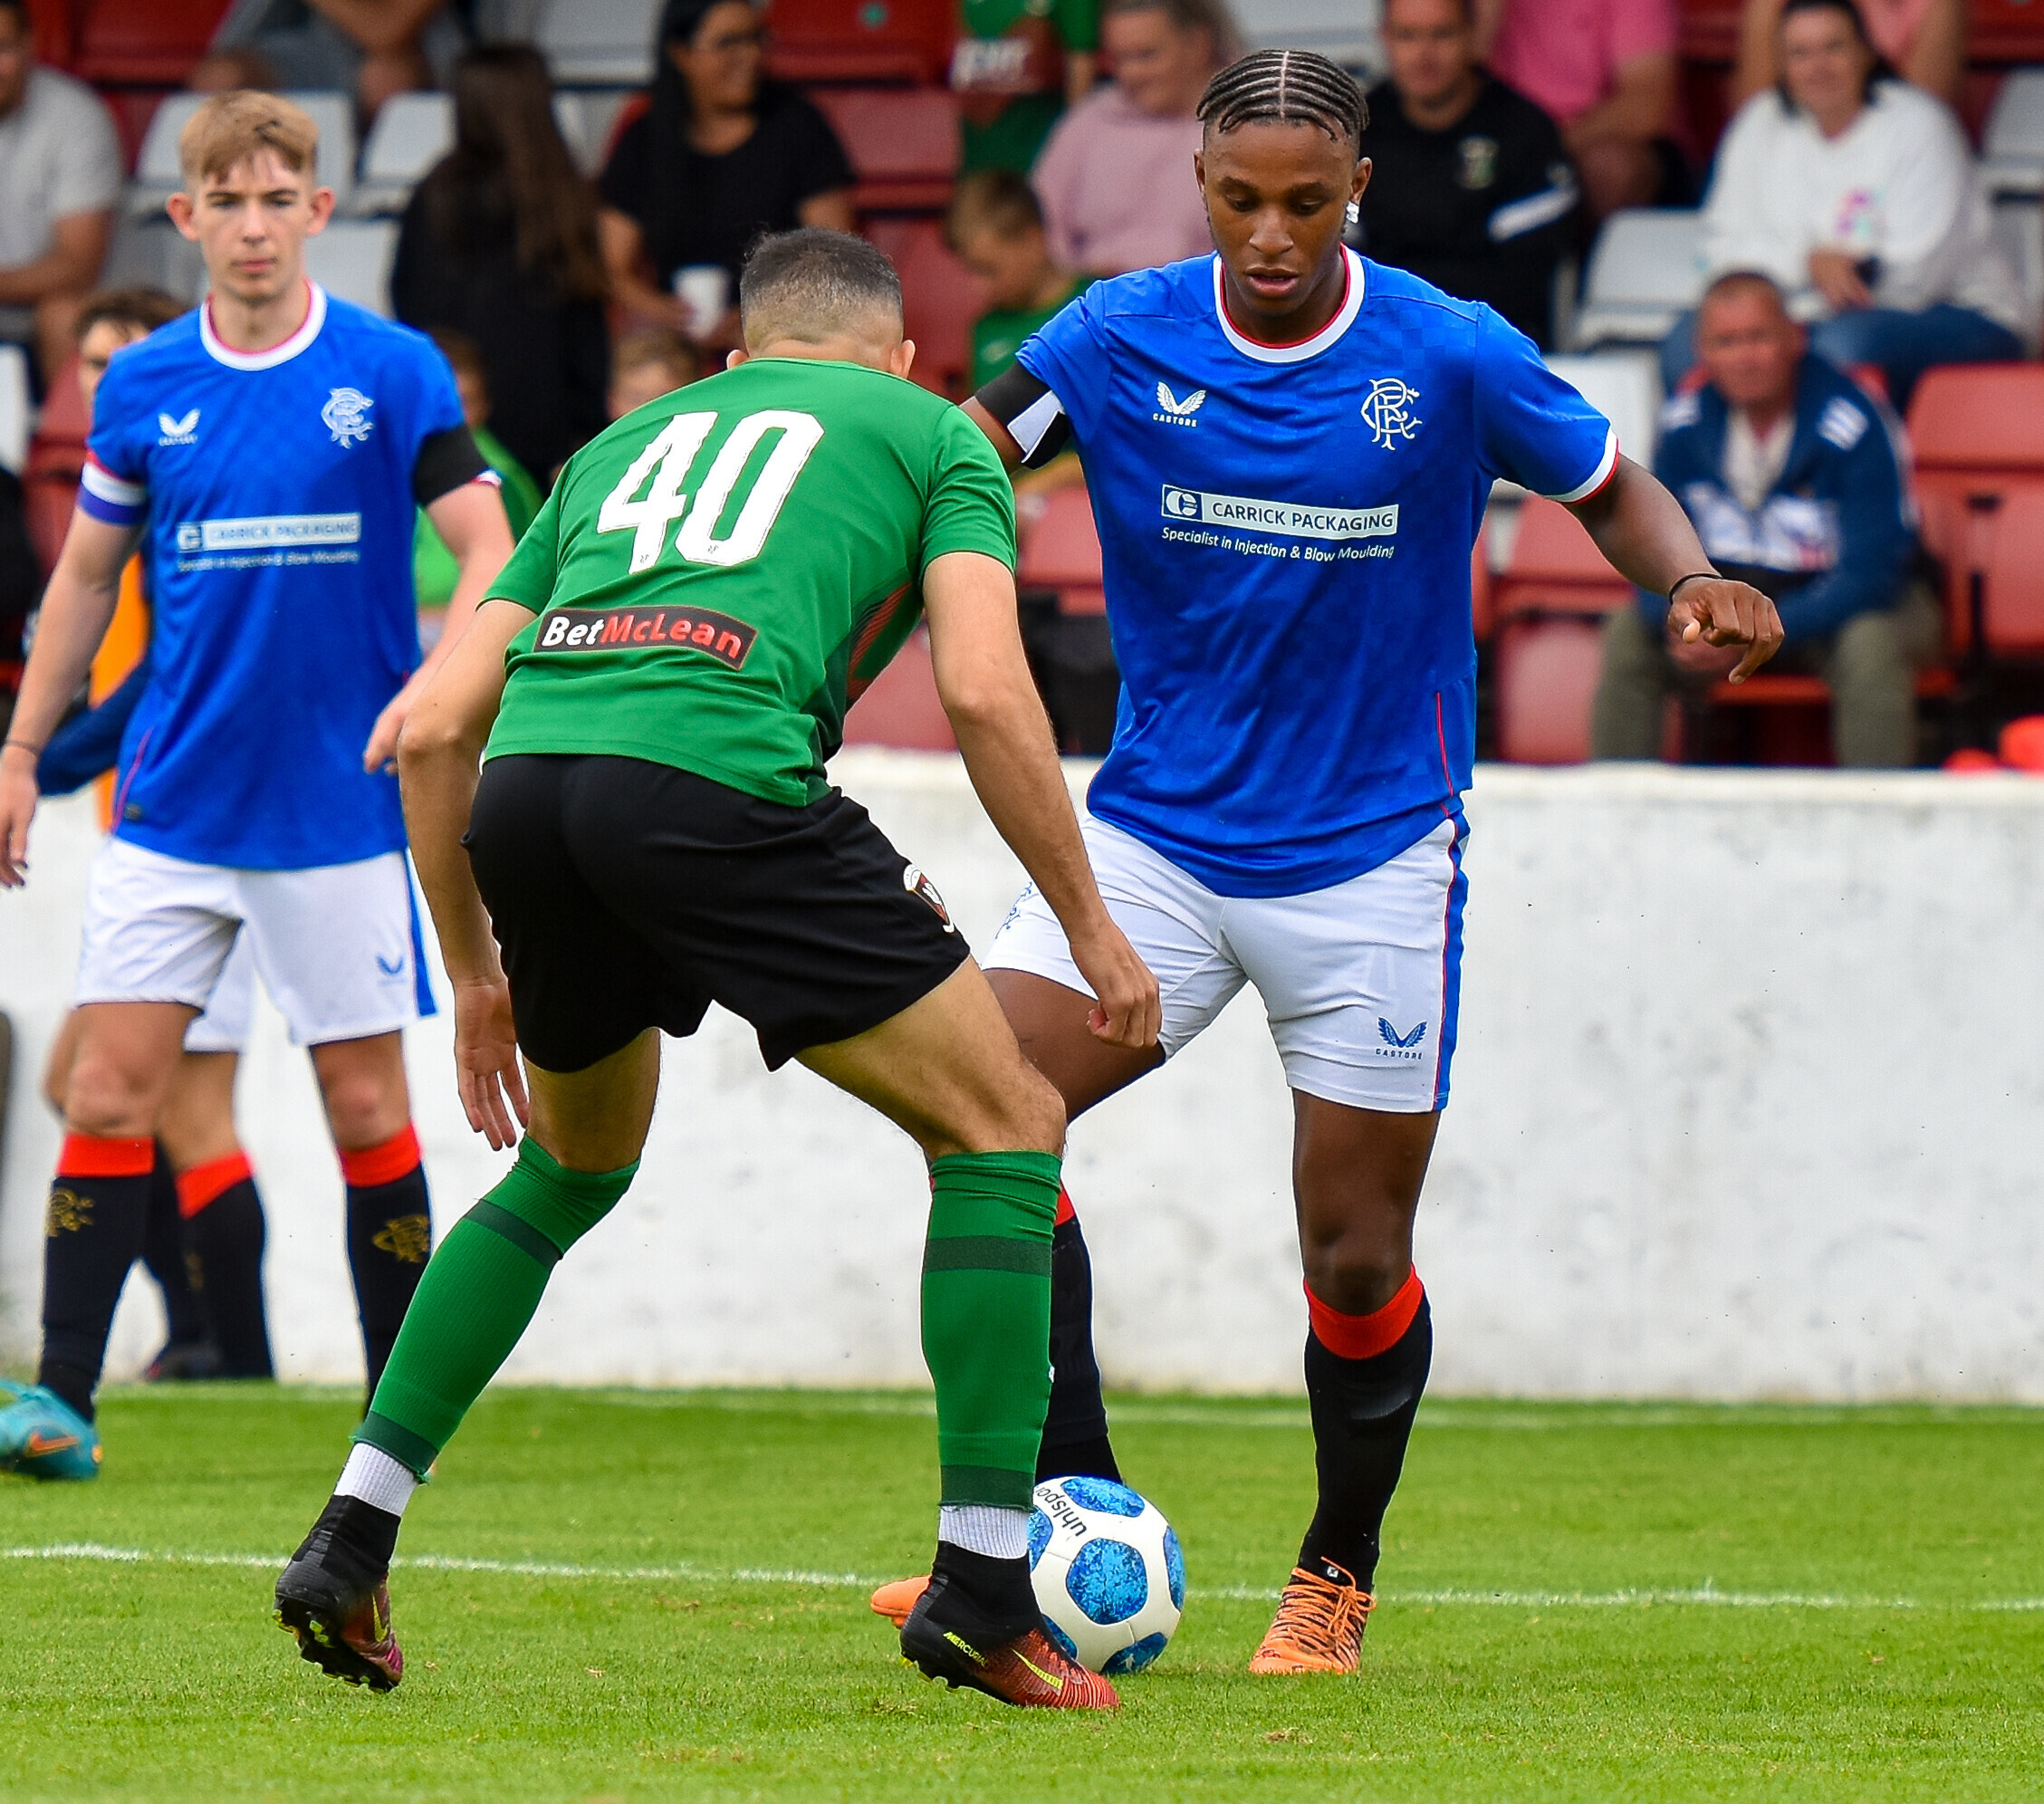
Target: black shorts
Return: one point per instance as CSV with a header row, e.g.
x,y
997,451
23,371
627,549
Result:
x,y
629,895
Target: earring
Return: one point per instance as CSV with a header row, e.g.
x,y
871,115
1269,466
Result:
x,y
1353,214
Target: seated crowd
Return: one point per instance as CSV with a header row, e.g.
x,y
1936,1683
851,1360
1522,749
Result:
x,y
1796,486
1847,229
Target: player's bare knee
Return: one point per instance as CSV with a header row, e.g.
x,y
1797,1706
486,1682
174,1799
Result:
x,y
1031,1116
112,1099
362,1109
1354,1276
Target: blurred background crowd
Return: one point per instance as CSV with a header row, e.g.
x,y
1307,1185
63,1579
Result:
x,y
1794,248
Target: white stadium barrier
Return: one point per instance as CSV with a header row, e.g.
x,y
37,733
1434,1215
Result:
x,y
1750,1102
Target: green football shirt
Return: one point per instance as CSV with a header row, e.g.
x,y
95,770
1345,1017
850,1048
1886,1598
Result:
x,y
719,574
435,572
1010,138
999,335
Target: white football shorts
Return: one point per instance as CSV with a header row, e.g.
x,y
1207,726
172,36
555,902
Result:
x,y
333,946
223,1027
1362,982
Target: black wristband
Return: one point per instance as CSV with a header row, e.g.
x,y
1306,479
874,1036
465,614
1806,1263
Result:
x,y
1675,588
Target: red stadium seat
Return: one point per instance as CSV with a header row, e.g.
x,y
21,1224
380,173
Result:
x,y
1710,29
941,299
852,41
2004,30
1482,604
903,143
144,42
1979,416
48,499
2014,613
1978,432
1555,568
901,707
62,424
1547,604
1544,678
1063,551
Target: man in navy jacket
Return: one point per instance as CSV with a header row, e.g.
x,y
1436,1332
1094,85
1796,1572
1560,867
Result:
x,y
1793,478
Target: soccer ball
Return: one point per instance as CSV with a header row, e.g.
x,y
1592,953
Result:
x,y
1109,1579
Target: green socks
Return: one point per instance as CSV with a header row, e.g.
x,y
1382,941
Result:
x,y
986,1310
986,1319
478,1296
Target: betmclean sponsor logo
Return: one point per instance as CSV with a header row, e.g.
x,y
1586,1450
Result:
x,y
1290,519
270,532
727,641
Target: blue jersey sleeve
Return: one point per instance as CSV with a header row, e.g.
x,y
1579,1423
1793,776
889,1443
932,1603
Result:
x,y
114,485
438,401
1069,354
1531,427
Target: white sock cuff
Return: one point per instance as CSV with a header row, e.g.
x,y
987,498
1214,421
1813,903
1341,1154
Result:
x,y
380,1480
985,1528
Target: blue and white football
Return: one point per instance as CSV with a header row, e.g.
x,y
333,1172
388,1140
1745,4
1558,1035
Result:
x,y
1109,1579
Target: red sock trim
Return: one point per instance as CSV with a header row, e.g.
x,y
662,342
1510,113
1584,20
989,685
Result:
x,y
396,1157
1364,1336
1066,1213
88,1155
203,1184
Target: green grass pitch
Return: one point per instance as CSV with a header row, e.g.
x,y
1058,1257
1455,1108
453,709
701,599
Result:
x,y
645,1594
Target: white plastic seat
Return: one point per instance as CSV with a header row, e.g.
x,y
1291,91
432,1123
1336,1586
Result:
x,y
157,175
1646,271
2019,232
351,259
411,133
1348,31
14,408
2013,145
1625,387
598,42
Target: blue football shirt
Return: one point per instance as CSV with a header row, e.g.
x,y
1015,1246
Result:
x,y
1287,533
276,489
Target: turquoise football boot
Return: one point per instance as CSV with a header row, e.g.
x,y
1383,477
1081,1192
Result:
x,y
43,1437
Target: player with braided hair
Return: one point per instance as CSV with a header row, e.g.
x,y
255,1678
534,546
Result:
x,y
1285,87
1289,450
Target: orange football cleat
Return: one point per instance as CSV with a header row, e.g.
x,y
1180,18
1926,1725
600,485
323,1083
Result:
x,y
1319,1626
896,1598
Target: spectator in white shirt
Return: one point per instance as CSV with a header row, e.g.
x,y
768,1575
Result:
x,y
1857,193
61,171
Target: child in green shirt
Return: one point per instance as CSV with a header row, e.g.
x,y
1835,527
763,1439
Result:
x,y
995,226
433,570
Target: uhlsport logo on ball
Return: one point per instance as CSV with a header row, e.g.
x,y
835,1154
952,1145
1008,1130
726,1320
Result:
x,y
1110,1578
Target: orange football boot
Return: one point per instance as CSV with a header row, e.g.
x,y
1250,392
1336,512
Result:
x,y
944,1640
896,1598
1319,1626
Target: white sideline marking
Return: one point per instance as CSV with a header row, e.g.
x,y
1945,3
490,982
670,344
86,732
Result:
x,y
1707,1594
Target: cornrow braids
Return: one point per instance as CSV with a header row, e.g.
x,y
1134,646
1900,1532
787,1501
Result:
x,y
1290,87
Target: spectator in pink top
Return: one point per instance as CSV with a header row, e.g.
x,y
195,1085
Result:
x,y
1115,178
1605,71
1925,41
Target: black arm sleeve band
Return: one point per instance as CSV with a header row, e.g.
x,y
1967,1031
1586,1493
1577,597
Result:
x,y
446,461
1035,417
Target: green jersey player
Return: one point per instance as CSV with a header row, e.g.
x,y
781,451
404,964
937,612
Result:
x,y
653,692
